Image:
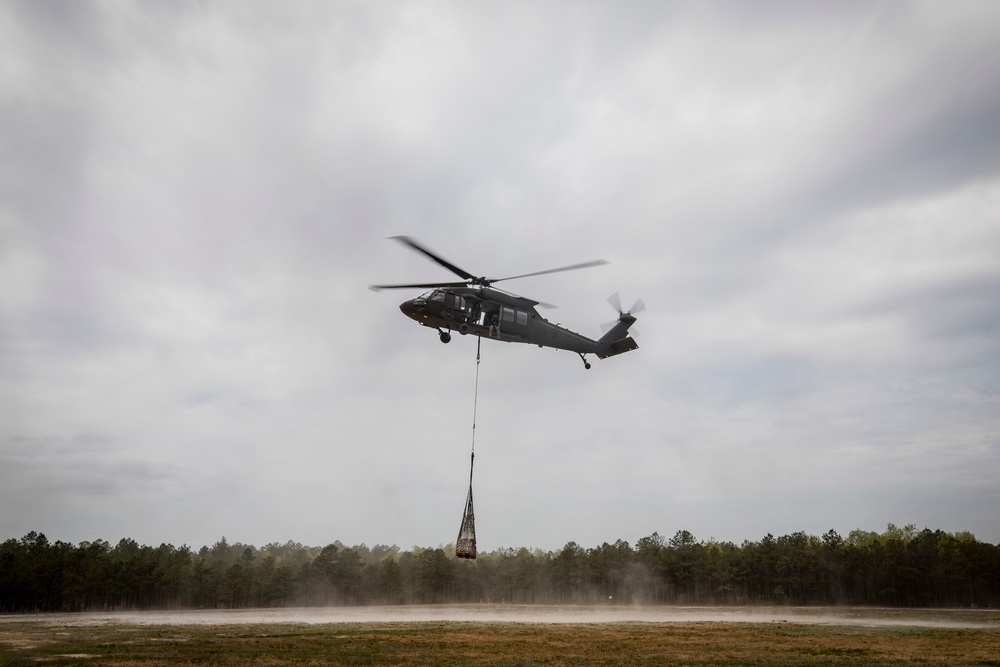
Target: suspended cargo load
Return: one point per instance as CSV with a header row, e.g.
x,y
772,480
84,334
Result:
x,y
465,545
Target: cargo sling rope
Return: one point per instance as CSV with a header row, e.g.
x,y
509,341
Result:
x,y
465,545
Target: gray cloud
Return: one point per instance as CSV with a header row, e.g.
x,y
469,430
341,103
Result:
x,y
194,199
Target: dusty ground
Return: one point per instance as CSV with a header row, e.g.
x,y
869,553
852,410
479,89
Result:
x,y
493,613
128,641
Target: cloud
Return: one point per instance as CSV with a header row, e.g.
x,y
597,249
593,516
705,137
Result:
x,y
196,197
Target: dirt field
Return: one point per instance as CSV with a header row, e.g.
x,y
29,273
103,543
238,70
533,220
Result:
x,y
568,637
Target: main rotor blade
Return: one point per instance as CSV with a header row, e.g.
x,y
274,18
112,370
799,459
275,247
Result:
x,y
406,240
376,288
584,265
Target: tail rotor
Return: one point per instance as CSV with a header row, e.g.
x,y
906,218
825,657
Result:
x,y
616,303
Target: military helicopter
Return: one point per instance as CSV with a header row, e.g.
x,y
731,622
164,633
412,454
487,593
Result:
x,y
474,306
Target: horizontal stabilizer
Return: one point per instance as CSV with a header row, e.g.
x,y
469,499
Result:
x,y
618,347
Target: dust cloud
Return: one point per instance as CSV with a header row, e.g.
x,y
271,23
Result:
x,y
501,613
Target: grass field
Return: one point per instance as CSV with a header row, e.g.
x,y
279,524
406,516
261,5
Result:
x,y
476,643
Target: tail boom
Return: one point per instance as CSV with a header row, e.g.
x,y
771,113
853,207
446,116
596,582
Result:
x,y
616,340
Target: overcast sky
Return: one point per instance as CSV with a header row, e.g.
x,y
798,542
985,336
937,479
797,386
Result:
x,y
194,198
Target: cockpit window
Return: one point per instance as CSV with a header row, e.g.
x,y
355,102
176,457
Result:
x,y
437,295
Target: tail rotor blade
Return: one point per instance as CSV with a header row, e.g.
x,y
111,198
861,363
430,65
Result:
x,y
616,301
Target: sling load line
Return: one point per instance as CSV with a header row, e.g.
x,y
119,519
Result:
x,y
465,545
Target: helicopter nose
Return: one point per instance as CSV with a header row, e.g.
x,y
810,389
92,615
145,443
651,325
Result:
x,y
412,307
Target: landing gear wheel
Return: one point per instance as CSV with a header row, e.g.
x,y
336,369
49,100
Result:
x,y
586,365
445,337
583,357
463,328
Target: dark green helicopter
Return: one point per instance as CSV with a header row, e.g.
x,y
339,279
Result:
x,y
473,306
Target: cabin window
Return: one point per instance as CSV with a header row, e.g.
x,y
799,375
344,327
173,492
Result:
x,y
512,316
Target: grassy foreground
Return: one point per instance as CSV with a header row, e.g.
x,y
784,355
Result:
x,y
471,643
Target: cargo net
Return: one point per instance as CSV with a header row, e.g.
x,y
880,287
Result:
x,y
465,545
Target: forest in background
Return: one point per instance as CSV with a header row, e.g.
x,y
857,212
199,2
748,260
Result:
x,y
898,567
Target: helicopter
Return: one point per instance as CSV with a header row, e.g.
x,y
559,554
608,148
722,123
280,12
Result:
x,y
474,306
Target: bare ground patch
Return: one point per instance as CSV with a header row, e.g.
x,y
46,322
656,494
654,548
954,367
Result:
x,y
498,643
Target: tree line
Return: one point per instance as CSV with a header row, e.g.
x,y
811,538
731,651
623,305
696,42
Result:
x,y
898,567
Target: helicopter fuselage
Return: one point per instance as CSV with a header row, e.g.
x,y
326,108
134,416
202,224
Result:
x,y
491,313
473,307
